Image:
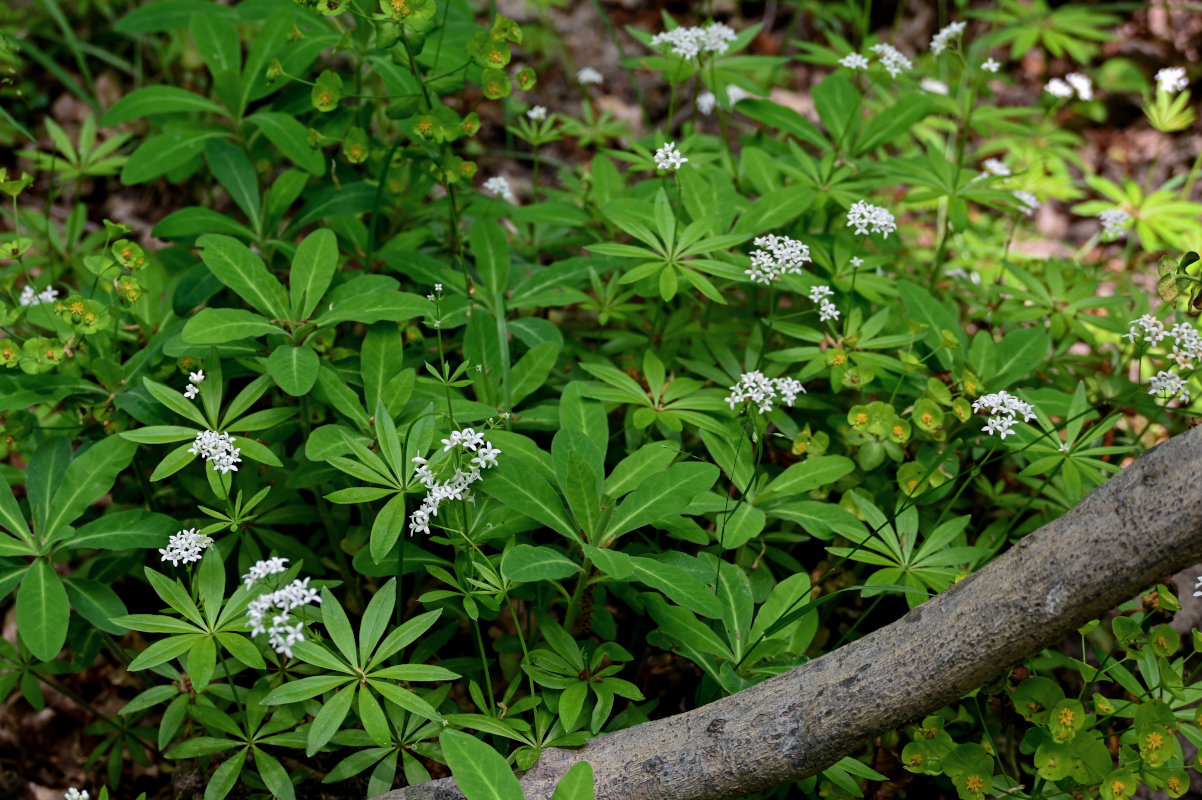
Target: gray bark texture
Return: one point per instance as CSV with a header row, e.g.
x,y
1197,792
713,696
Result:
x,y
1132,532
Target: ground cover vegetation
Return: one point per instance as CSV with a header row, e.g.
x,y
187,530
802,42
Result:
x,y
427,427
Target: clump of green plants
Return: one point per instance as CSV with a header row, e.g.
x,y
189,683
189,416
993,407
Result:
x,y
402,447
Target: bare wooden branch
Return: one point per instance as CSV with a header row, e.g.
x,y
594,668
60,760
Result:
x,y
1137,529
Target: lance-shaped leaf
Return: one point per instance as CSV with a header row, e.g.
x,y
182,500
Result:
x,y
221,325
245,273
660,496
313,268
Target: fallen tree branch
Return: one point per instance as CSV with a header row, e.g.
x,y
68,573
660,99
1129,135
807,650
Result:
x,y
1137,529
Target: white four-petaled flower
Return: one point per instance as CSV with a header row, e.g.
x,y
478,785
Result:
x,y
865,217
668,157
1171,80
499,187
187,546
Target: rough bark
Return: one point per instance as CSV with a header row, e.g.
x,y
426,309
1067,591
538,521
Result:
x,y
1135,530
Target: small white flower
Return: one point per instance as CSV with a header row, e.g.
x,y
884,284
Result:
x,y
1082,84
30,298
827,311
1027,202
438,287
865,217
76,794
736,93
1114,223
895,63
1058,88
691,42
1198,585
499,187
991,66
706,102
261,569
191,391
537,114
818,293
779,255
995,167
187,546
197,377
486,456
589,77
854,61
756,388
1152,330
933,86
1188,347
946,36
218,449
1171,80
856,261
1004,408
1167,382
668,157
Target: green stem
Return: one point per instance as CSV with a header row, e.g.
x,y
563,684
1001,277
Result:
x,y
484,665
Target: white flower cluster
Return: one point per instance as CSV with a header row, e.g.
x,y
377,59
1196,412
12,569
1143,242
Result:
x,y
854,61
668,157
218,449
991,66
76,794
457,488
691,42
1004,407
281,631
763,391
1171,80
864,217
31,298
1027,202
706,100
261,569
892,59
995,167
946,36
1114,223
1187,348
186,546
589,77
1169,384
826,309
195,379
1073,83
781,256
499,187
537,114
933,86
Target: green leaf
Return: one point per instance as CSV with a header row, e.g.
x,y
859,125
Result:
x,y
11,518
479,771
292,138
677,584
303,689
531,370
338,626
632,471
194,221
806,476
163,153
491,250
838,105
376,619
786,120
222,781
682,625
576,784
519,487
89,477
42,611
921,307
294,369
174,595
153,100
577,413
274,776
387,527
313,268
377,307
202,661
241,270
329,719
123,530
232,168
221,325
526,564
661,495
1019,353
405,699
44,474
405,635
380,361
